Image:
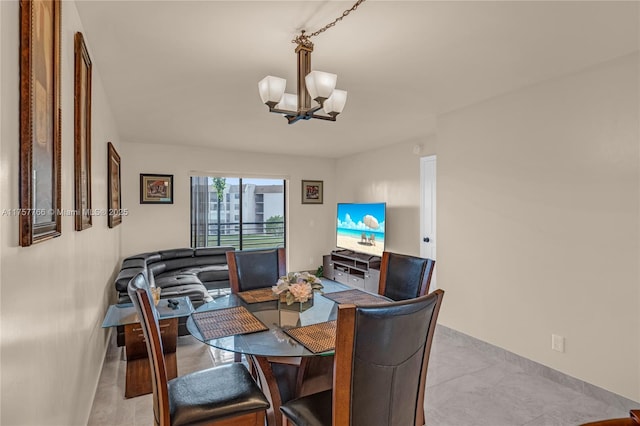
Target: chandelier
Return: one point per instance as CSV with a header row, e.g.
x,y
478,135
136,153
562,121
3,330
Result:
x,y
317,95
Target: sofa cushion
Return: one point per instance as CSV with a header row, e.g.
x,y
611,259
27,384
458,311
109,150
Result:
x,y
214,273
213,251
176,253
136,262
204,273
156,268
125,275
148,257
210,260
194,291
179,263
176,280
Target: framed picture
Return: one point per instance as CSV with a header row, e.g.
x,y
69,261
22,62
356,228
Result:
x,y
156,189
40,215
311,192
114,202
82,158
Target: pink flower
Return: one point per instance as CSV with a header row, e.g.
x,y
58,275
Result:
x,y
301,291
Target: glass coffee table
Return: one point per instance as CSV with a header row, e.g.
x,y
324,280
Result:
x,y
138,375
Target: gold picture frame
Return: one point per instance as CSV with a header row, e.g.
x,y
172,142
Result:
x,y
114,199
312,192
82,130
40,138
156,189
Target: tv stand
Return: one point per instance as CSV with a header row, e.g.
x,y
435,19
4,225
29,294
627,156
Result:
x,y
355,269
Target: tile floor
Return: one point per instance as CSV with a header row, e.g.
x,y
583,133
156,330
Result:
x,y
465,387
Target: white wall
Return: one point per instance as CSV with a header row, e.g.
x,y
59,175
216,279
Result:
x,y
538,218
391,175
53,294
150,227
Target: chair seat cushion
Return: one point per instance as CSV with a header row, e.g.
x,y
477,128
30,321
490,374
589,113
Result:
x,y
312,410
214,394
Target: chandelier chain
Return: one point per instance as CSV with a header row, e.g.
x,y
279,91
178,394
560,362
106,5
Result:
x,y
304,39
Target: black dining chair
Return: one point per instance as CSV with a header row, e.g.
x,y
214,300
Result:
x,y
380,367
253,269
225,395
404,277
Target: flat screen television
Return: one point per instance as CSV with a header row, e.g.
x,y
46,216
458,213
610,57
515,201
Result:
x,y
361,227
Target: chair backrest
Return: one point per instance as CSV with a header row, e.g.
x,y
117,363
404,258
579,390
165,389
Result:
x,y
404,277
139,293
381,359
253,269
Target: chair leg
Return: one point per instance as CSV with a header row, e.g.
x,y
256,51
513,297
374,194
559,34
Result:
x,y
252,368
420,416
269,386
286,422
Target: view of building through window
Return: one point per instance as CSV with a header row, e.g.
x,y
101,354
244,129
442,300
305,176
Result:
x,y
245,213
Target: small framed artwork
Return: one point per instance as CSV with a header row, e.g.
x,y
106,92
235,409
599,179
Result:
x,y
40,137
156,189
311,192
114,201
82,159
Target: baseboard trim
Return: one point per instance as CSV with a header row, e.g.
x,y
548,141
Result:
x,y
533,367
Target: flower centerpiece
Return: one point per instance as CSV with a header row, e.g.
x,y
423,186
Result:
x,y
297,287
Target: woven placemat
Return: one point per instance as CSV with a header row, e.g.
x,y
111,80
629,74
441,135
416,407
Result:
x,y
258,295
317,338
355,296
227,322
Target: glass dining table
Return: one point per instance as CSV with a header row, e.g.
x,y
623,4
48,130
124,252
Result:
x,y
261,348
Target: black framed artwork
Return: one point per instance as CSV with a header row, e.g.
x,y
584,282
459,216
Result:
x,y
156,189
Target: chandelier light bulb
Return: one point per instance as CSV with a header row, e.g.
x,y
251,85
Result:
x,y
271,89
289,102
336,102
320,84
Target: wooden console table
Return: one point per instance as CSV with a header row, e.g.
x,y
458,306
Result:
x,y
138,376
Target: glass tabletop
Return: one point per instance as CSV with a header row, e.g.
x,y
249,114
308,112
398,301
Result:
x,y
125,313
272,342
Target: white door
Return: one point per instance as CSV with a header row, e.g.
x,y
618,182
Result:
x,y
428,212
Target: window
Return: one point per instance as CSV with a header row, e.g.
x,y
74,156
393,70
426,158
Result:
x,y
248,214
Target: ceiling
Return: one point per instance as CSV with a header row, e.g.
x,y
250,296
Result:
x,y
186,72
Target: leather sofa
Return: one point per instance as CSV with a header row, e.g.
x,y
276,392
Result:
x,y
179,272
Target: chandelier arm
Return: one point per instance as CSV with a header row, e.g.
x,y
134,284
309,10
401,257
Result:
x,y
308,112
325,117
282,111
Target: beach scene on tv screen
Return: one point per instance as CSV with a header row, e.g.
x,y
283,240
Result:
x,y
360,227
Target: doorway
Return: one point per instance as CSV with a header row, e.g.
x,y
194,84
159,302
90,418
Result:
x,y
428,212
